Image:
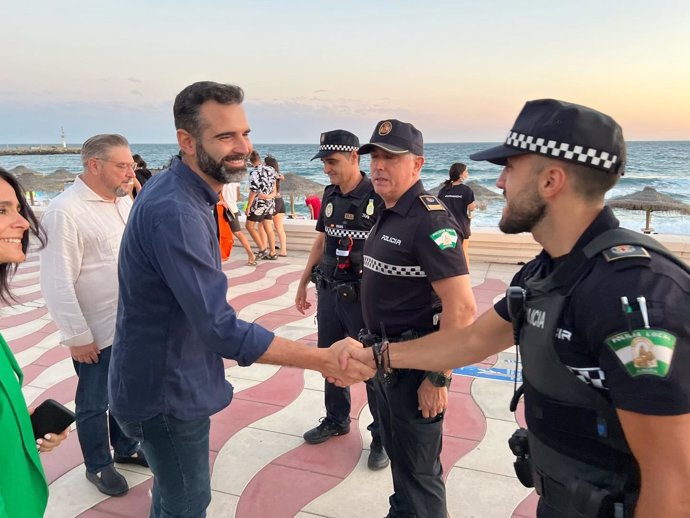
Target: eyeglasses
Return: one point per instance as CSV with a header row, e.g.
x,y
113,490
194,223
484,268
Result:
x,y
122,166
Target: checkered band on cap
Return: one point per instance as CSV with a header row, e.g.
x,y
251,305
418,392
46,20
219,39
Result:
x,y
342,232
392,269
337,147
601,159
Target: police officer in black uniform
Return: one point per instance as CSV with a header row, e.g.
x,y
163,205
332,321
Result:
x,y
413,266
601,317
350,208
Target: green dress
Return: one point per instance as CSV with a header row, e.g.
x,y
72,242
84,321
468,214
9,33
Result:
x,y
23,486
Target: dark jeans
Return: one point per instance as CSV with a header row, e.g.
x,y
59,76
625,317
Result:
x,y
93,420
337,319
178,454
413,444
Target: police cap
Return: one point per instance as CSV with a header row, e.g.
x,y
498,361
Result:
x,y
336,141
395,137
564,131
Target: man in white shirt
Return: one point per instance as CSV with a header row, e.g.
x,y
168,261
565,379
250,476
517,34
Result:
x,y
231,194
79,282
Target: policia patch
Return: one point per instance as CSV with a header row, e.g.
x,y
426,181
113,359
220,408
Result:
x,y
644,351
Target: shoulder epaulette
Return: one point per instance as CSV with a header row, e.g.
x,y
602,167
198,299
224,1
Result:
x,y
625,252
431,202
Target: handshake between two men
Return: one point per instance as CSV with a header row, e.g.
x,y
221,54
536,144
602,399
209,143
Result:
x,y
353,363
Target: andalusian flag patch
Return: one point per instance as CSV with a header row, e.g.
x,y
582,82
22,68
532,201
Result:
x,y
445,238
644,351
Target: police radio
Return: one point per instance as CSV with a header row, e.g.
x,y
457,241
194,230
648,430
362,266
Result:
x,y
518,442
516,298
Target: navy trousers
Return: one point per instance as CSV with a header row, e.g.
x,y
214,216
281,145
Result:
x,y
337,319
94,424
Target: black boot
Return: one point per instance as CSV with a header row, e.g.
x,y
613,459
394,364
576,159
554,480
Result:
x,y
378,459
325,431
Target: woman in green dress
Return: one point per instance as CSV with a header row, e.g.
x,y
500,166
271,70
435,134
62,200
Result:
x,y
23,487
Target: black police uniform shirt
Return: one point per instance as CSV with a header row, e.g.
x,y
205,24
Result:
x,y
593,320
456,198
349,215
412,245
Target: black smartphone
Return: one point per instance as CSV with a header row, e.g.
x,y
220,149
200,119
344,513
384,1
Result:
x,y
50,417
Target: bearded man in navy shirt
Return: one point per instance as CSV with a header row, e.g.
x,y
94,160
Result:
x,y
174,324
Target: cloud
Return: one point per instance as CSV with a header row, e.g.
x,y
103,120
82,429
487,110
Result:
x,y
134,80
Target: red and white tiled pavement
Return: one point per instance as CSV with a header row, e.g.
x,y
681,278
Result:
x,y
261,465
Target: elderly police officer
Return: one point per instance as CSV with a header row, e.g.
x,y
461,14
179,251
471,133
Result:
x,y
601,316
413,266
350,209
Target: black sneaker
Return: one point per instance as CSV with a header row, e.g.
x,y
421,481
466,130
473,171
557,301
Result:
x,y
378,459
325,431
108,481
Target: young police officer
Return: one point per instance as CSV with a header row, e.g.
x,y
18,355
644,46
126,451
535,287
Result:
x,y
413,265
603,330
350,208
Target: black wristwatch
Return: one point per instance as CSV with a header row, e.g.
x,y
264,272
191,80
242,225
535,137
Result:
x,y
438,379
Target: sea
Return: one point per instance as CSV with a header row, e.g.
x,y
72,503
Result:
x,y
663,165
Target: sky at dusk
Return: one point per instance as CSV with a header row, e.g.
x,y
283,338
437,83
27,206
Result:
x,y
459,70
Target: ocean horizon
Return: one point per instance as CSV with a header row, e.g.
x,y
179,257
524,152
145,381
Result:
x,y
661,164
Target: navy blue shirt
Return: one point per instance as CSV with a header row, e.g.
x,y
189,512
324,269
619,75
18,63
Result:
x,y
174,325
410,247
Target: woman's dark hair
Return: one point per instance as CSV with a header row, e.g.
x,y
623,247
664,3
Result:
x,y
141,163
35,228
271,161
455,173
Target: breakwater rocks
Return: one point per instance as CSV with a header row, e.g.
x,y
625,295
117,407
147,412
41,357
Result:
x,y
34,181
39,150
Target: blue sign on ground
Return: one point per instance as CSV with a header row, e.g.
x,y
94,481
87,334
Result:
x,y
492,373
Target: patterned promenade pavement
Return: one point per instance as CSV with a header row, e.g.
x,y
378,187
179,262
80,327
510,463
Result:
x,y
261,465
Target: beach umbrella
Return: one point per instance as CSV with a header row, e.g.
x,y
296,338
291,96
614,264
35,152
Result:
x,y
650,200
481,192
295,185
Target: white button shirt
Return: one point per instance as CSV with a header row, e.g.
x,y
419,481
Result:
x,y
230,195
79,264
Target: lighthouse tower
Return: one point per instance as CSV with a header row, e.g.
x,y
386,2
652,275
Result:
x,y
62,136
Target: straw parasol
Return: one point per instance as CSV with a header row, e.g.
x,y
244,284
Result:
x,y
649,200
481,192
295,185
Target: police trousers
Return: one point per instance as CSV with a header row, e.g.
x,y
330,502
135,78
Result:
x,y
413,444
337,319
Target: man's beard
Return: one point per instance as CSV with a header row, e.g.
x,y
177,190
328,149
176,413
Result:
x,y
219,171
121,192
524,216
